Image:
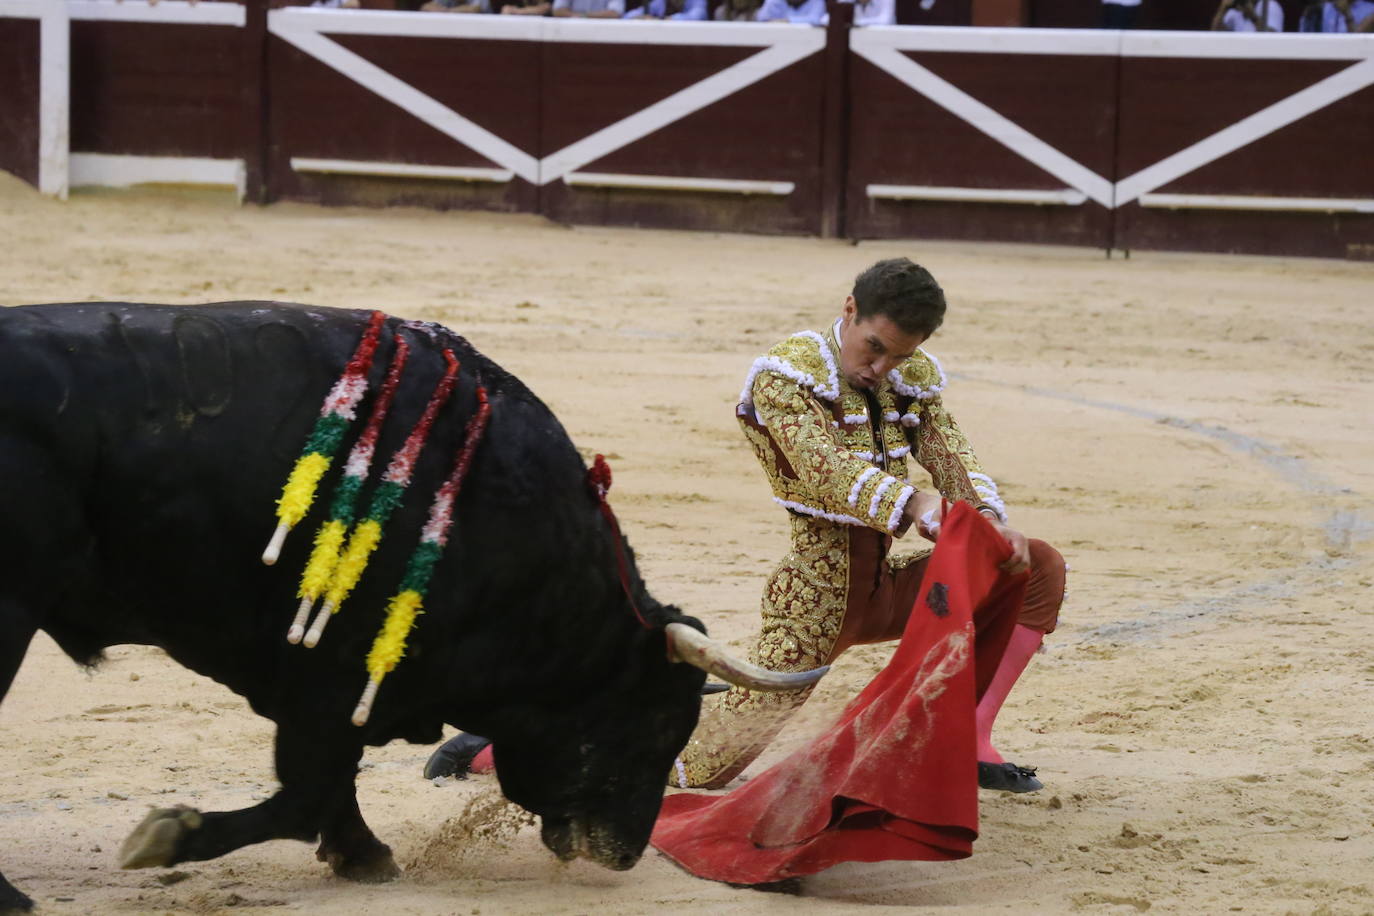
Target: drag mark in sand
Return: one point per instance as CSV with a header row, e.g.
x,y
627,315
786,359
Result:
x,y
1342,527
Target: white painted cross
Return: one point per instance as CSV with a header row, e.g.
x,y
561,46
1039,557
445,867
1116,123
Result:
x,y
780,46
884,46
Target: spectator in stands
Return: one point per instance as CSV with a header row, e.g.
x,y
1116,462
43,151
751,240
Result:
x,y
870,12
1119,14
875,12
456,6
681,10
524,7
801,12
1338,16
589,9
737,11
1248,16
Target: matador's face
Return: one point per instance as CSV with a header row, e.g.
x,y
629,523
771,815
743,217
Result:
x,y
872,347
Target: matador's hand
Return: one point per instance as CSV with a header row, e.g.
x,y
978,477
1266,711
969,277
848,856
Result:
x,y
925,512
1020,547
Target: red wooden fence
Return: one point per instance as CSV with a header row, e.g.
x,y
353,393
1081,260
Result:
x,y
1196,141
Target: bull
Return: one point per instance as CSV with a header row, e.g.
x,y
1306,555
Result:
x,y
142,451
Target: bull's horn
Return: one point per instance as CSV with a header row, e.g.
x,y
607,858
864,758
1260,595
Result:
x,y
689,645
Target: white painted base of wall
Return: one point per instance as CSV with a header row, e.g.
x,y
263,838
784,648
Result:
x,y
1066,197
673,183
102,170
400,170
1254,202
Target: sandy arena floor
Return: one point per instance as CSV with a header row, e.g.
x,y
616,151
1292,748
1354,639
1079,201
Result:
x,y
1193,432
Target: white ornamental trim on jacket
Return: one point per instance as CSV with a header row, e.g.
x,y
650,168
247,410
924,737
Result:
x,y
864,478
878,495
916,391
828,390
986,488
818,513
899,507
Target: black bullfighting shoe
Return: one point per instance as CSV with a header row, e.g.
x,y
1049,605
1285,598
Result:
x,y
1008,777
454,756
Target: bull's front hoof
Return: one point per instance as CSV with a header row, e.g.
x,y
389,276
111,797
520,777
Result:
x,y
377,867
159,837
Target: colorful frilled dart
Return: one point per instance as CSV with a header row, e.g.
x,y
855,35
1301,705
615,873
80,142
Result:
x,y
405,605
367,534
329,540
336,414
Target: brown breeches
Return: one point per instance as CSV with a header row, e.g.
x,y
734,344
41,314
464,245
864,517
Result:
x,y
881,592
839,588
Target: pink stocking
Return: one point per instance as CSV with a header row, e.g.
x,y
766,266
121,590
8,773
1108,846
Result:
x,y
483,763
1022,645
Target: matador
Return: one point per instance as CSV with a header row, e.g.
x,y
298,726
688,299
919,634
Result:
x,y
833,416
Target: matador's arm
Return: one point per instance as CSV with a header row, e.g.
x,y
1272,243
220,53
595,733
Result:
x,y
944,451
842,486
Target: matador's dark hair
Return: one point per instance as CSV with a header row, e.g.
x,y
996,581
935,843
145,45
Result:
x,y
904,292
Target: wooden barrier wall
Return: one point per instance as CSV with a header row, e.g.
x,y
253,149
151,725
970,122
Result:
x,y
19,66
1194,141
1197,141
33,92
954,137
1264,147
637,123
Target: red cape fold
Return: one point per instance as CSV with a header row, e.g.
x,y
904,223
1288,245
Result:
x,y
896,777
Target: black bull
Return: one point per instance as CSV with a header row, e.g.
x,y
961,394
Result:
x,y
142,449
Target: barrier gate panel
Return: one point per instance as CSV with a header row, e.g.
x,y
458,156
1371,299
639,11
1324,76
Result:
x,y
988,134
385,108
19,74
683,125
155,89
1247,143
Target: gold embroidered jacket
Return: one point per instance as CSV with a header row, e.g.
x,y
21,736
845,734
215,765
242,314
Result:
x,y
825,456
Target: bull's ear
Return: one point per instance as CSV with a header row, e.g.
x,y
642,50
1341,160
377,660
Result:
x,y
665,614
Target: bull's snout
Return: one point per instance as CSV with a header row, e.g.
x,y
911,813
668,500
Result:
x,y
621,862
565,837
573,838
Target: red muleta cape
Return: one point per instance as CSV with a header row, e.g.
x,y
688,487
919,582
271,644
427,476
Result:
x,y
896,777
